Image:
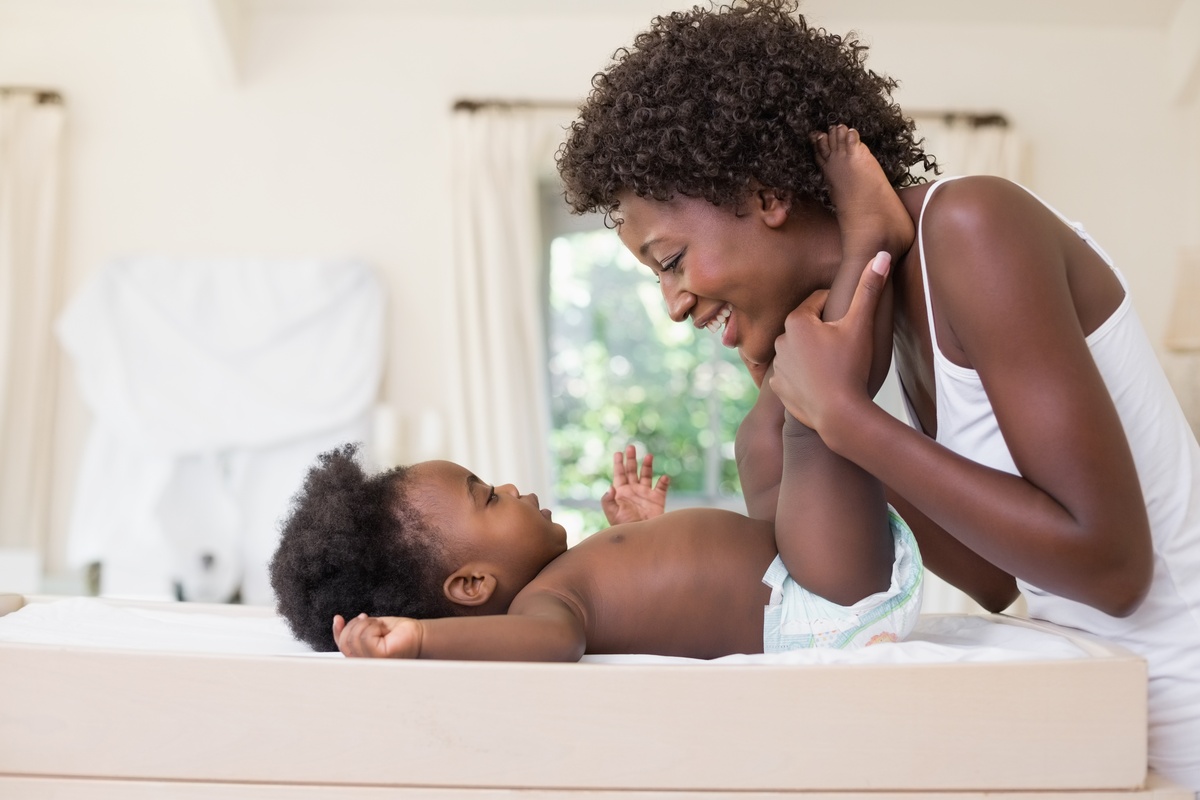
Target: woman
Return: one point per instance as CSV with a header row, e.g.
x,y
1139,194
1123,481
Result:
x,y
1047,452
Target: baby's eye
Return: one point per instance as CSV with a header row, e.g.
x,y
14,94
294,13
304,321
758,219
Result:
x,y
491,494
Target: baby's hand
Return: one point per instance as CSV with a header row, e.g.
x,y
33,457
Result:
x,y
378,637
634,497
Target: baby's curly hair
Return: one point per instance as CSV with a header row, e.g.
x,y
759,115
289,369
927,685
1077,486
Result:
x,y
354,543
709,100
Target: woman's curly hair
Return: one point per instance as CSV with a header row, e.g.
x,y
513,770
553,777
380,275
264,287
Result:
x,y
354,543
708,100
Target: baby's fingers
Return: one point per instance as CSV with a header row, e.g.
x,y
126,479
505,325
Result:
x,y
647,469
343,633
631,464
619,478
359,637
608,504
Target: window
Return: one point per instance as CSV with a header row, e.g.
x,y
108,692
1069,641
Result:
x,y
620,372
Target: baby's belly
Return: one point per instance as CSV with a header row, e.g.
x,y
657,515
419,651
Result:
x,y
699,602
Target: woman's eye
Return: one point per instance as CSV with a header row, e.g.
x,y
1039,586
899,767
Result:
x,y
670,265
492,494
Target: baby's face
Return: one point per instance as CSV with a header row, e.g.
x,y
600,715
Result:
x,y
496,526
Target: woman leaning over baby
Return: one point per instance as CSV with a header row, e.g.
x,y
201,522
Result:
x,y
1046,454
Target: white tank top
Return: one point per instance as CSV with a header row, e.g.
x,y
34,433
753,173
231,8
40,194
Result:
x,y
1166,627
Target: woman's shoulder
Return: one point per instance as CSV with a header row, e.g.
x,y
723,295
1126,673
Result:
x,y
972,201
985,214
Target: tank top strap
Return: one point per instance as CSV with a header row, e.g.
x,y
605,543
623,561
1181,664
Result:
x,y
937,351
1080,231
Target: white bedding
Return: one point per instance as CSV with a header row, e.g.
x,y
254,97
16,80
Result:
x,y
89,622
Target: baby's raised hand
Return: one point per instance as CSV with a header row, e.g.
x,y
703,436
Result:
x,y
378,637
633,496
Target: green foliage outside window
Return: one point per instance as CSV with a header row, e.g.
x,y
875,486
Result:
x,y
622,372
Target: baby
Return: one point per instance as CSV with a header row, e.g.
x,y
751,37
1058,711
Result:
x,y
450,567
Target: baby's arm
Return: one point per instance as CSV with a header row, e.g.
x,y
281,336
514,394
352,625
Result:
x,y
631,497
545,628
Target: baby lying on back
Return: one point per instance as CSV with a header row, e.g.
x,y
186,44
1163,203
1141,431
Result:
x,y
429,561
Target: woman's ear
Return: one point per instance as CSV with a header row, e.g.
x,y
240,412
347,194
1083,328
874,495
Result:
x,y
774,205
469,585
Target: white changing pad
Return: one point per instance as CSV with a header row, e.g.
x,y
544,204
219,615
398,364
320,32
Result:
x,y
936,638
90,622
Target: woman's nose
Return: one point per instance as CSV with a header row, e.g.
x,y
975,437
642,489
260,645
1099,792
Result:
x,y
679,301
508,489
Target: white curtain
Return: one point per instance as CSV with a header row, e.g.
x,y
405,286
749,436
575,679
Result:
x,y
965,146
969,145
213,384
499,415
31,278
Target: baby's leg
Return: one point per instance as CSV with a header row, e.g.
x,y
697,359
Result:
x,y
831,523
869,212
831,526
872,220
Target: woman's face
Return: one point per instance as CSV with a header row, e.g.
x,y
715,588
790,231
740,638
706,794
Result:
x,y
736,271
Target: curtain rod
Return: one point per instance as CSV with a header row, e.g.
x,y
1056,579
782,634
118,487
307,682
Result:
x,y
41,96
989,119
551,105
974,119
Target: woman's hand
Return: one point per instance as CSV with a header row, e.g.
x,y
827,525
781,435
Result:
x,y
633,497
823,367
378,637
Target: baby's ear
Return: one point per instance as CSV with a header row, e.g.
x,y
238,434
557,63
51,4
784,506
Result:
x,y
774,205
469,586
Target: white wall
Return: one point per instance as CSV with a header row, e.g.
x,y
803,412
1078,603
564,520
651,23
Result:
x,y
335,139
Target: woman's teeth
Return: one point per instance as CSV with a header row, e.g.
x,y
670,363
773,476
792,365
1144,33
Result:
x,y
718,322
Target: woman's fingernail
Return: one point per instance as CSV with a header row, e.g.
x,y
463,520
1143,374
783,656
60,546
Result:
x,y
882,262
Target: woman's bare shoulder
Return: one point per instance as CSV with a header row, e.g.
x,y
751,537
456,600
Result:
x,y
981,205
986,228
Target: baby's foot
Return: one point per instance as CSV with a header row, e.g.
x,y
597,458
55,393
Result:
x,y
869,211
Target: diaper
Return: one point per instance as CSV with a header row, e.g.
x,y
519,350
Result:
x,y
796,618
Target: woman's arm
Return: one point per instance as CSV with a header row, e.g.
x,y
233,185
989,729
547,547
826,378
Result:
x,y
544,629
1073,521
952,561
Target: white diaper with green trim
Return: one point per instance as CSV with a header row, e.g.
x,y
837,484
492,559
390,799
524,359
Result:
x,y
797,619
